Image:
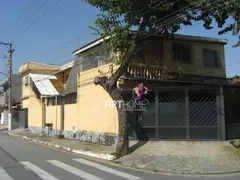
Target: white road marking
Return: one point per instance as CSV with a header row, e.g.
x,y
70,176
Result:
x,y
74,170
41,173
107,169
4,175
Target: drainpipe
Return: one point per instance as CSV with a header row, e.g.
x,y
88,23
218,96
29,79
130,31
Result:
x,y
43,114
56,112
61,135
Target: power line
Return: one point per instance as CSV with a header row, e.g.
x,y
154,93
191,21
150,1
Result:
x,y
202,69
62,63
74,66
56,50
40,7
41,16
81,62
26,10
170,22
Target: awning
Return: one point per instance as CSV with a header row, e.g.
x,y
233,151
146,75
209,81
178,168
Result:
x,y
44,84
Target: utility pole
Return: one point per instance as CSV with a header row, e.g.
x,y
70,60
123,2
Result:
x,y
11,50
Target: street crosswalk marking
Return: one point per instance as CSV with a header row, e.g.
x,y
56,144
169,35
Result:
x,y
74,170
41,173
4,175
107,169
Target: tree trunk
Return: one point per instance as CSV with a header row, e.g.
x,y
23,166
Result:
x,y
122,143
110,85
122,147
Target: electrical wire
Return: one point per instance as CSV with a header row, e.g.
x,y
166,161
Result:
x,y
41,17
175,18
80,62
26,10
40,7
194,71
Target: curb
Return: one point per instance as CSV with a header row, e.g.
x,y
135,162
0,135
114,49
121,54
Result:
x,y
112,159
108,157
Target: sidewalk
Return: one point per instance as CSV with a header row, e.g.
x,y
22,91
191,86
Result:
x,y
78,147
180,157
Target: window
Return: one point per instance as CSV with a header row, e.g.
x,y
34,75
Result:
x,y
102,60
51,101
181,53
26,81
141,56
71,98
210,58
31,82
59,100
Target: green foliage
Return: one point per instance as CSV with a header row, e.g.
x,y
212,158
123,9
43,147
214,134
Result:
x,y
119,17
236,76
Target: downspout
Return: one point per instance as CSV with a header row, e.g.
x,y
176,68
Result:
x,y
42,100
56,113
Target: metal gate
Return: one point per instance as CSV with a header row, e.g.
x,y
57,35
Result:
x,y
177,114
20,118
232,113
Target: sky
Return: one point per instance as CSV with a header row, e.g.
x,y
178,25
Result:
x,y
50,30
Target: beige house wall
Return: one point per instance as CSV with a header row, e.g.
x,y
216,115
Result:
x,y
159,51
93,116
70,117
35,112
53,115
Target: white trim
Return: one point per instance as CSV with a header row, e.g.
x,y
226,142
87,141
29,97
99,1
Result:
x,y
66,66
177,36
89,46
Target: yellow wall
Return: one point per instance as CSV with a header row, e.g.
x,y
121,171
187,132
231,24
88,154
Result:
x,y
34,112
70,117
29,66
158,51
25,103
53,115
92,114
196,66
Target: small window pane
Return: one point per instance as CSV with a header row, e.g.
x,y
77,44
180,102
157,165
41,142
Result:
x,y
210,58
26,81
141,56
181,53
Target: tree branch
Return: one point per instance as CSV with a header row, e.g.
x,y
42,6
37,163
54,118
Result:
x,y
130,53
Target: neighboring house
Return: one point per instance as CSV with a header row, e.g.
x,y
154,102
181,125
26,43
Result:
x,y
16,95
186,76
43,86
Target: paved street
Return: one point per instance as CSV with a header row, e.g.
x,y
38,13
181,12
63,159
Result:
x,y
22,160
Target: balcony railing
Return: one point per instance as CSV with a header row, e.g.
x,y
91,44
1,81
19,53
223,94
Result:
x,y
158,72
145,71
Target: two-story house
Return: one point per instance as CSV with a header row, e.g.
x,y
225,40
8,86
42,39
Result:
x,y
16,96
182,73
185,75
43,85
